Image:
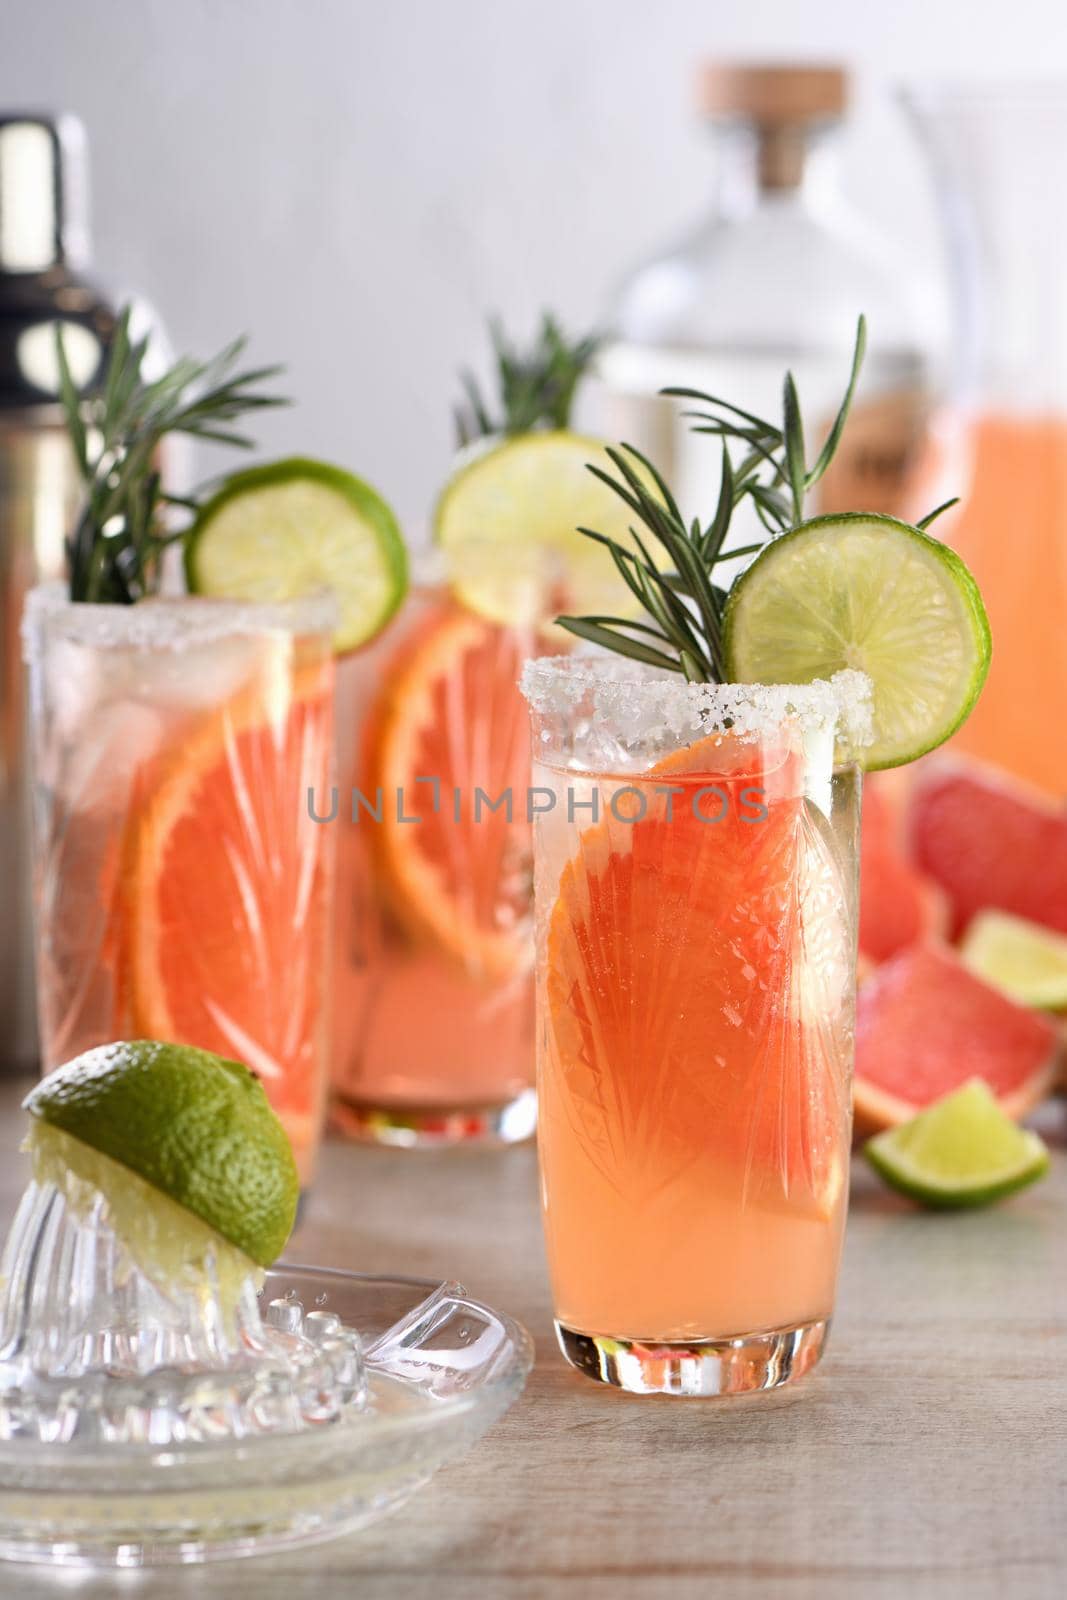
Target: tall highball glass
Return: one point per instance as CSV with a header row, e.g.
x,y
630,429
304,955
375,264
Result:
x,y
182,888
695,864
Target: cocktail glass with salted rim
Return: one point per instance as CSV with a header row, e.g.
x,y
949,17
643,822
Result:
x,y
697,903
182,891
696,854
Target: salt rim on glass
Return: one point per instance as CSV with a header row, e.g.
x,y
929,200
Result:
x,y
636,702
170,623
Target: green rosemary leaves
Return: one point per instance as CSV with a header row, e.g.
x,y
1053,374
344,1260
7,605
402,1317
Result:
x,y
115,548
671,565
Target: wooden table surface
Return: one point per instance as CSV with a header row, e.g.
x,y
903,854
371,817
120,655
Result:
x,y
926,1457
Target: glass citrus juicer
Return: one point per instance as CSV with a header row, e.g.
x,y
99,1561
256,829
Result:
x,y
165,1399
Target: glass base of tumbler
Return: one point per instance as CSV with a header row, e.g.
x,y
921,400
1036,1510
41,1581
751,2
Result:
x,y
698,1367
430,1127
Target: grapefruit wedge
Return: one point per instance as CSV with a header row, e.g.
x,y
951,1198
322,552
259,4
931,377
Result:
x,y
226,893
898,905
451,722
925,1026
991,842
670,947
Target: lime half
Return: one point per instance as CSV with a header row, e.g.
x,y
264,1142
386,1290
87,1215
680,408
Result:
x,y
961,1151
294,527
866,591
510,514
194,1127
171,1245
1026,961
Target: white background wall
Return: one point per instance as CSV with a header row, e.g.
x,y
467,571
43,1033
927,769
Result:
x,y
356,182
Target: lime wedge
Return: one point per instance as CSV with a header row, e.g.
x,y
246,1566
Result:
x,y
294,527
512,508
1026,961
194,1127
961,1151
172,1246
866,591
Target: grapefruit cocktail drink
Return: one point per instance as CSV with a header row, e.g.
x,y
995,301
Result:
x,y
434,944
433,949
182,889
696,890
696,900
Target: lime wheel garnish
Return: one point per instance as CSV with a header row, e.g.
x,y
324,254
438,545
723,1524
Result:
x,y
297,527
868,592
513,506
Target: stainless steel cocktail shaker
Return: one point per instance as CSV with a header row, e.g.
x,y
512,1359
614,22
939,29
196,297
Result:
x,y
43,255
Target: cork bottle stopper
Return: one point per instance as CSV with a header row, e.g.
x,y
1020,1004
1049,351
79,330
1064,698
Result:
x,y
783,103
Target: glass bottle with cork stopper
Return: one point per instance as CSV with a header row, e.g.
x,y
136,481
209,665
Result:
x,y
775,276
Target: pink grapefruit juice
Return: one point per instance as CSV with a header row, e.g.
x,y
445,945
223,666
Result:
x,y
433,972
182,891
1012,533
695,1030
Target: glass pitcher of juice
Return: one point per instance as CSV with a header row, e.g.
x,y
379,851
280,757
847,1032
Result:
x,y
974,836
995,154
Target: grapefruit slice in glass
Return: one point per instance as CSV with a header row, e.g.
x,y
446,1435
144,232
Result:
x,y
698,984
446,767
226,893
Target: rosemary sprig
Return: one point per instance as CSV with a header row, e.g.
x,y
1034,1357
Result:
x,y
115,549
535,387
685,607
